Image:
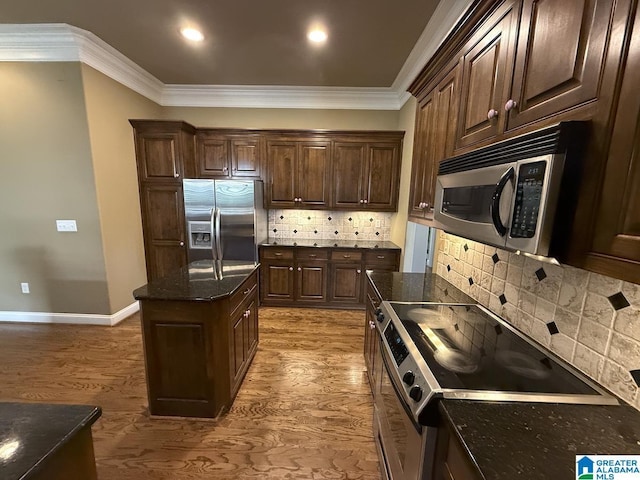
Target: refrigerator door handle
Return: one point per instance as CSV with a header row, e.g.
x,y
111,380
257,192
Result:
x,y
217,230
212,228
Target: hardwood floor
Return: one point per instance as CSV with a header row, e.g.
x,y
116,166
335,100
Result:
x,y
303,412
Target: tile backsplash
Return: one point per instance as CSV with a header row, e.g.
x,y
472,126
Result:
x,y
323,224
590,320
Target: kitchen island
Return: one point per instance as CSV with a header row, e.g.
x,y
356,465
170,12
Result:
x,y
42,441
200,334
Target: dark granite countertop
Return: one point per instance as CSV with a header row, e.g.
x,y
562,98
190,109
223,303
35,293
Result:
x,y
30,433
417,287
539,440
327,243
197,282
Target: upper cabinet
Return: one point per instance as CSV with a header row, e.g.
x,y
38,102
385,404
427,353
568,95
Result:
x,y
366,175
530,61
297,173
436,119
222,154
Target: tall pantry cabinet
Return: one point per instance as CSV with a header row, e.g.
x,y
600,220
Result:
x,y
165,153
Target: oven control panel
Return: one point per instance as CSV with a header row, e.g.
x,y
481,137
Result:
x,y
398,349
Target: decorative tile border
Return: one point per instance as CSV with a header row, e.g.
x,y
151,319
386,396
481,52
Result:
x,y
590,320
323,224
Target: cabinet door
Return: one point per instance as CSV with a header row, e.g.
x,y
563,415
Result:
x,y
163,227
616,242
434,141
381,176
311,281
277,281
314,174
561,50
245,157
346,283
237,347
213,157
252,328
281,183
487,64
348,173
158,156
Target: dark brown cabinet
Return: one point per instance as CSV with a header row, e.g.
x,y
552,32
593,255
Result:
x,y
299,276
616,240
198,352
433,141
451,460
371,340
165,153
221,154
298,174
366,175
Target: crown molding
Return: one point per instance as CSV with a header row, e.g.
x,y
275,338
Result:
x,y
60,42
444,19
282,97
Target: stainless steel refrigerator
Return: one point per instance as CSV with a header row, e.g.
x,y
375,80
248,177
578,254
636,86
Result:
x,y
226,220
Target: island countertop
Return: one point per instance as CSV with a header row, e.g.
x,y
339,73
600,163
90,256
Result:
x,y
31,433
198,281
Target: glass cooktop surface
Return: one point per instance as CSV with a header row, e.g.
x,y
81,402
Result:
x,y
467,348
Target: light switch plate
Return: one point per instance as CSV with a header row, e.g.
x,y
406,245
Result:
x,y
66,226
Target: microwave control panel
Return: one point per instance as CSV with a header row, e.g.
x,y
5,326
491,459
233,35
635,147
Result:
x,y
528,196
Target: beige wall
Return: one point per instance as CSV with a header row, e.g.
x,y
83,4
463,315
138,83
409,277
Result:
x,y
406,122
284,118
109,107
47,174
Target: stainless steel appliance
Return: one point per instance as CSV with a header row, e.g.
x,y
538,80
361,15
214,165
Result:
x,y
225,219
518,194
463,351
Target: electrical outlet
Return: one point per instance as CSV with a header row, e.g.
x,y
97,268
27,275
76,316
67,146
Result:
x,y
66,226
25,287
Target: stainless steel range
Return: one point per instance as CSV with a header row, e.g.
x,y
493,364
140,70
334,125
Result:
x,y
433,350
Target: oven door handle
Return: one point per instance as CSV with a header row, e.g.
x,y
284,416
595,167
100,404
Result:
x,y
495,201
416,425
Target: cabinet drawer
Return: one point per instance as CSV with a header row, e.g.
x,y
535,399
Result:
x,y
277,253
346,256
243,292
384,257
312,254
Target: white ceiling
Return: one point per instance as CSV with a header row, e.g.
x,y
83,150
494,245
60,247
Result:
x,y
255,53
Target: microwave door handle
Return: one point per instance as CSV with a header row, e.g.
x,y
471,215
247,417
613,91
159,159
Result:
x,y
495,201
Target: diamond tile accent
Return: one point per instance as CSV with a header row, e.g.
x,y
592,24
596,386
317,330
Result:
x,y
466,247
635,374
356,233
553,328
446,292
503,299
281,217
350,219
336,232
308,218
377,234
456,327
315,231
275,230
495,258
541,274
371,219
498,329
329,218
295,231
470,281
448,268
618,301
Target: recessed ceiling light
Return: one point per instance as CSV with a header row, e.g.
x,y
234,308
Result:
x,y
317,35
192,34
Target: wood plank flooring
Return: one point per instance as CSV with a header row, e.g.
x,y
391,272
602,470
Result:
x,y
303,412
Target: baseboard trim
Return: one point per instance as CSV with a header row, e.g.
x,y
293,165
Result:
x,y
70,318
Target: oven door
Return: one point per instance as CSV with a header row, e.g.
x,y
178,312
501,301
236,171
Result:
x,y
401,442
476,203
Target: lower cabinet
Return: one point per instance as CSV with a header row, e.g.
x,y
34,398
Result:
x,y
451,461
198,352
331,277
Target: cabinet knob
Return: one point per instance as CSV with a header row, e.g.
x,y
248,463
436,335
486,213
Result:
x,y
176,175
346,256
425,204
492,114
182,244
358,271
299,269
366,201
291,269
372,325
225,169
234,169
510,105
361,201
421,205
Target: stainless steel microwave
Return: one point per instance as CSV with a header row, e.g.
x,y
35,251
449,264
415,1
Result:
x,y
518,194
